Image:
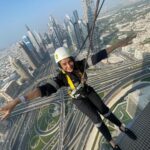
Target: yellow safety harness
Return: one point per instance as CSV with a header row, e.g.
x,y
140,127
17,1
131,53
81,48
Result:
x,y
73,88
69,81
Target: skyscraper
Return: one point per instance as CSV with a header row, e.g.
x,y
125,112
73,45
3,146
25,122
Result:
x,y
88,11
78,31
40,40
140,125
29,55
35,43
88,17
31,48
83,28
56,33
47,39
72,35
74,30
20,68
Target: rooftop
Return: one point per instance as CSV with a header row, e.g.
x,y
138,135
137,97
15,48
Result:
x,y
141,127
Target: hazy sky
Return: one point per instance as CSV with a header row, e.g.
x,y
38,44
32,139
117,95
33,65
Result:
x,y
14,14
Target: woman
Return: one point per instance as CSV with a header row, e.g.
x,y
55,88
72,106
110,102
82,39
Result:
x,y
84,96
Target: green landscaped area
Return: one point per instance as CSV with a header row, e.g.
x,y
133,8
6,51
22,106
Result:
x,y
45,122
120,112
45,119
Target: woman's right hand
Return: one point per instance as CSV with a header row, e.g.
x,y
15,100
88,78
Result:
x,y
7,109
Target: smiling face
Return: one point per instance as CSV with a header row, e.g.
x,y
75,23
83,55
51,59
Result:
x,y
67,64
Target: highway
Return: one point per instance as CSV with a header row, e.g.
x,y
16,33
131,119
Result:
x,y
76,126
103,81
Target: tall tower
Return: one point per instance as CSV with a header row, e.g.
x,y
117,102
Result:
x,y
72,35
40,40
88,11
88,17
56,32
20,68
74,30
29,55
31,48
78,31
35,42
47,38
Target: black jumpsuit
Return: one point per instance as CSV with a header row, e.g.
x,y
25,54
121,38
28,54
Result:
x,y
89,101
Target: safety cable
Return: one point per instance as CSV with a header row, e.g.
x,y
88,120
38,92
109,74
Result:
x,y
91,27
90,35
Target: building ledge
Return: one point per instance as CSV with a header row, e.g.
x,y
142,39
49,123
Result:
x,y
141,127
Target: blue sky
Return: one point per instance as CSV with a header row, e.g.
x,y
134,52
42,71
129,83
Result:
x,y
14,14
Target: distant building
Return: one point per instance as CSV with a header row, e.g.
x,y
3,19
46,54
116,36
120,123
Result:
x,y
10,90
88,17
47,39
88,11
20,68
56,33
32,49
13,76
141,128
137,100
72,35
35,43
4,125
77,29
40,41
29,56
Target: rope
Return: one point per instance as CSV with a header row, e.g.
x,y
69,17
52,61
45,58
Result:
x,y
91,27
90,35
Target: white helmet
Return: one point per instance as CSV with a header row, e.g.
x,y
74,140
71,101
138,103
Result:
x,y
61,53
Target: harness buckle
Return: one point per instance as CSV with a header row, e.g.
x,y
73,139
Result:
x,y
76,92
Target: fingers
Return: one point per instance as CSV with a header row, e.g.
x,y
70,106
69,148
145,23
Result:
x,y
5,116
1,109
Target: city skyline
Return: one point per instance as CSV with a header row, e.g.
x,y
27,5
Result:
x,y
117,61
15,14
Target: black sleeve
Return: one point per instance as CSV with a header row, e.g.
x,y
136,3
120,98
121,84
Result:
x,y
47,89
81,64
52,85
98,56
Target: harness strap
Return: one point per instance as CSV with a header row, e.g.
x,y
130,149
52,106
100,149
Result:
x,y
69,81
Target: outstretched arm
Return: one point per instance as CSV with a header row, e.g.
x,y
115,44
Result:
x,y
121,43
94,59
45,90
7,109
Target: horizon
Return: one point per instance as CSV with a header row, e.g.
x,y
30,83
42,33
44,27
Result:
x,y
15,14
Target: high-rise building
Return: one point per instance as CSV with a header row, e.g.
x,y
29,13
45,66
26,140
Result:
x,y
88,17
137,100
141,128
40,40
20,68
56,33
31,48
46,39
29,56
78,31
72,34
10,90
34,41
88,11
74,30
83,28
